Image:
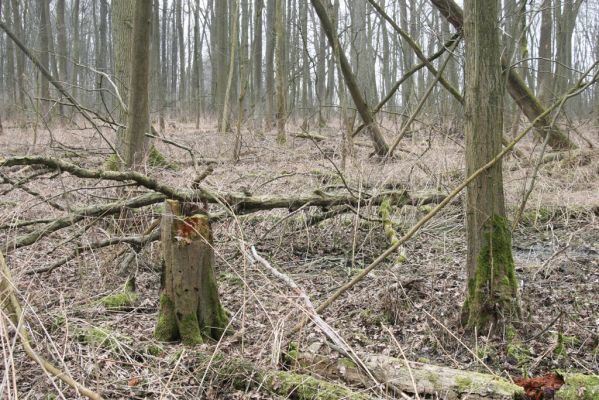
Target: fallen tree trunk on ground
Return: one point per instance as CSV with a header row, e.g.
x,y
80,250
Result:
x,y
243,375
431,380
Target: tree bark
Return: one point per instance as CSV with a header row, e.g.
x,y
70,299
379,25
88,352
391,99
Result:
x,y
123,13
257,58
528,103
491,298
138,119
44,54
380,145
190,308
281,71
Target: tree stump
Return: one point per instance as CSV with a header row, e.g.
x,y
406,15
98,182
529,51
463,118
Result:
x,y
190,308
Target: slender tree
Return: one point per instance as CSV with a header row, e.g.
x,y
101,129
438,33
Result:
x,y
137,122
280,75
491,298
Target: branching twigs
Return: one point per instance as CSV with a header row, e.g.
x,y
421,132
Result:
x,y
79,214
317,319
9,300
55,83
137,241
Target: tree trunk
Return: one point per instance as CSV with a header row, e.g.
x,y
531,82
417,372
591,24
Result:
x,y
281,72
257,50
528,103
137,121
123,12
190,308
61,33
76,47
544,75
180,37
44,54
380,146
219,55
18,27
492,287
270,62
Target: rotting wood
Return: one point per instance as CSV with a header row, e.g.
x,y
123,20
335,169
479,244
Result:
x,y
430,380
244,375
190,308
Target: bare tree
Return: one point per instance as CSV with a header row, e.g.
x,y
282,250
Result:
x,y
491,298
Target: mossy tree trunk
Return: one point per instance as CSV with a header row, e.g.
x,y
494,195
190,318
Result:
x,y
491,296
190,308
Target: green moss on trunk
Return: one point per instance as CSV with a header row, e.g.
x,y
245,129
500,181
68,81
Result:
x,y
166,328
492,293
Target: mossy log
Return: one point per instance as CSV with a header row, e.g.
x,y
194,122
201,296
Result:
x,y
426,379
311,136
190,308
243,375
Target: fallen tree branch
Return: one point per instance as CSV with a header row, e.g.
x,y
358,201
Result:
x,y
79,214
9,301
244,375
328,331
135,241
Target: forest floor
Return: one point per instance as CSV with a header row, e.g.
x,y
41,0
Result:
x,y
556,249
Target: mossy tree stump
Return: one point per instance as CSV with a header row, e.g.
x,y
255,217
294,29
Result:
x,y
190,308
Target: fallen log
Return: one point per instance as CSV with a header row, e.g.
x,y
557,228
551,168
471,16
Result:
x,y
435,381
411,378
243,375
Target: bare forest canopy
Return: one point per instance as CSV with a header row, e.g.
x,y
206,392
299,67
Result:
x,y
550,43
306,199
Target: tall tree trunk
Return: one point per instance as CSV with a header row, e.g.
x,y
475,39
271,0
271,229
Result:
x,y
123,14
190,308
155,94
101,62
18,27
9,73
408,59
270,62
380,146
258,100
321,63
137,122
528,103
76,47
182,84
492,287
220,22
224,122
44,54
163,65
61,32
281,70
565,19
306,81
